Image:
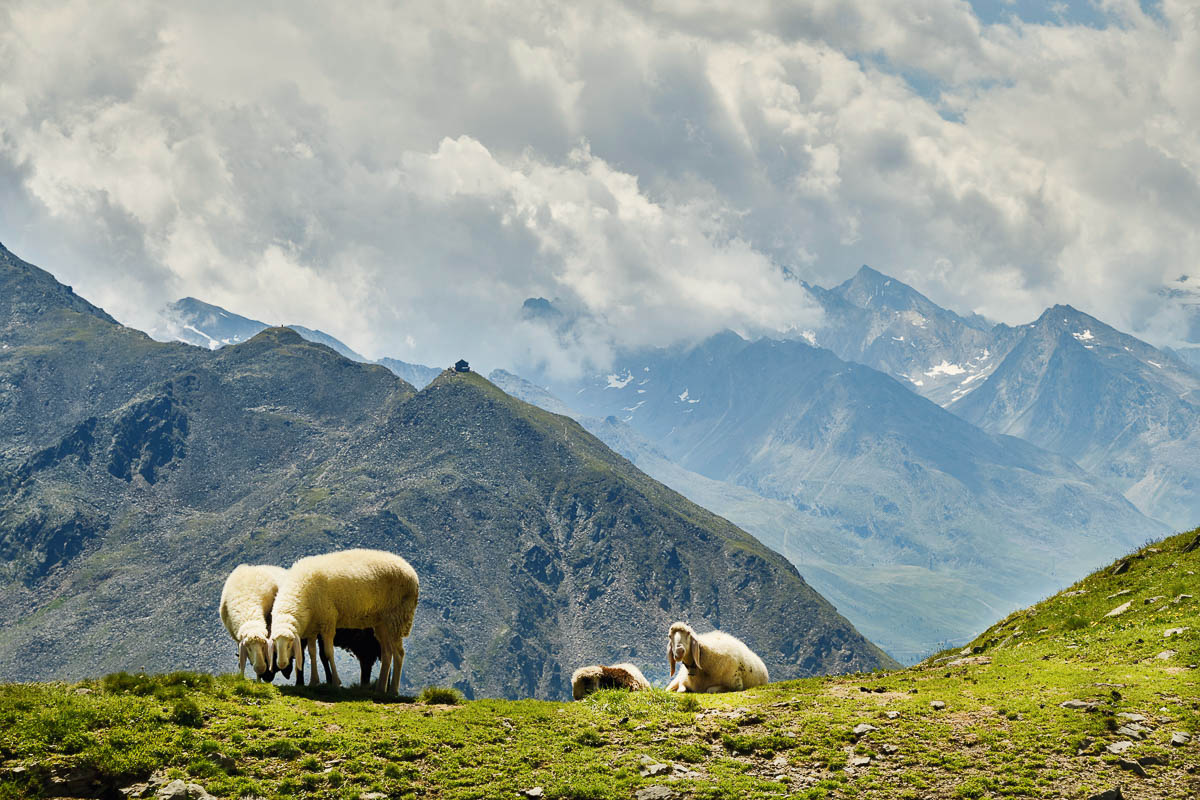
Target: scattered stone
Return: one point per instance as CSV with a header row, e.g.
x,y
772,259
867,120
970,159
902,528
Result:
x,y
1075,593
1121,593
892,714
1149,601
1153,761
1153,550
1165,654
1120,569
1133,731
1116,748
178,790
1131,717
1180,598
1109,794
83,690
970,661
779,762
1192,545
862,729
937,705
1180,738
1119,610
889,749
1132,766
535,792
650,768
372,796
1169,632
74,781
860,761
654,793
1081,705
681,772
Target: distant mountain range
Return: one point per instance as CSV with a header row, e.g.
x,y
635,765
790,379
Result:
x,y
884,501
1126,411
135,474
205,325
917,524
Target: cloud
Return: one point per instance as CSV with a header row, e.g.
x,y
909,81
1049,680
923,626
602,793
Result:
x,y
406,175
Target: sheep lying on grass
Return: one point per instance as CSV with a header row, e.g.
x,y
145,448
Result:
x,y
619,676
347,589
246,601
713,662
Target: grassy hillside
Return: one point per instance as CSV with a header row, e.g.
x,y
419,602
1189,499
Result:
x,y
984,723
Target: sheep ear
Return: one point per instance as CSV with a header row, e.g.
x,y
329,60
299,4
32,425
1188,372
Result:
x,y
696,652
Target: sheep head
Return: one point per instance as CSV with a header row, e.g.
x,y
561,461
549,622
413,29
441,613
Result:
x,y
286,646
585,681
255,648
683,646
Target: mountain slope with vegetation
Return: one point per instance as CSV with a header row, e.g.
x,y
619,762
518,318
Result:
x,y
920,526
1061,700
134,475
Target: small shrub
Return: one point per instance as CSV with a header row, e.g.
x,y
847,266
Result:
x,y
972,788
283,748
590,738
187,713
689,703
438,695
691,753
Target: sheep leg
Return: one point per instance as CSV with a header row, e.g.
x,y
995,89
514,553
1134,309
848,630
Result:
x,y
327,641
398,660
324,657
314,679
385,663
366,664
387,659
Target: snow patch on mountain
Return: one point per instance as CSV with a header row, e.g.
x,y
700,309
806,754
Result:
x,y
945,368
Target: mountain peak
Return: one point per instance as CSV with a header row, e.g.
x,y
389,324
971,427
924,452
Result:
x,y
28,293
871,289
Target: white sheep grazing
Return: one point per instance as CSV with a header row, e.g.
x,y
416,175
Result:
x,y
598,676
347,589
246,601
713,662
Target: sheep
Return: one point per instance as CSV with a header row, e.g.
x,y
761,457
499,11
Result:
x,y
713,662
349,589
619,676
246,601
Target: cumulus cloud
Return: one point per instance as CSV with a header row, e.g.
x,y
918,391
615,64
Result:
x,y
406,175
